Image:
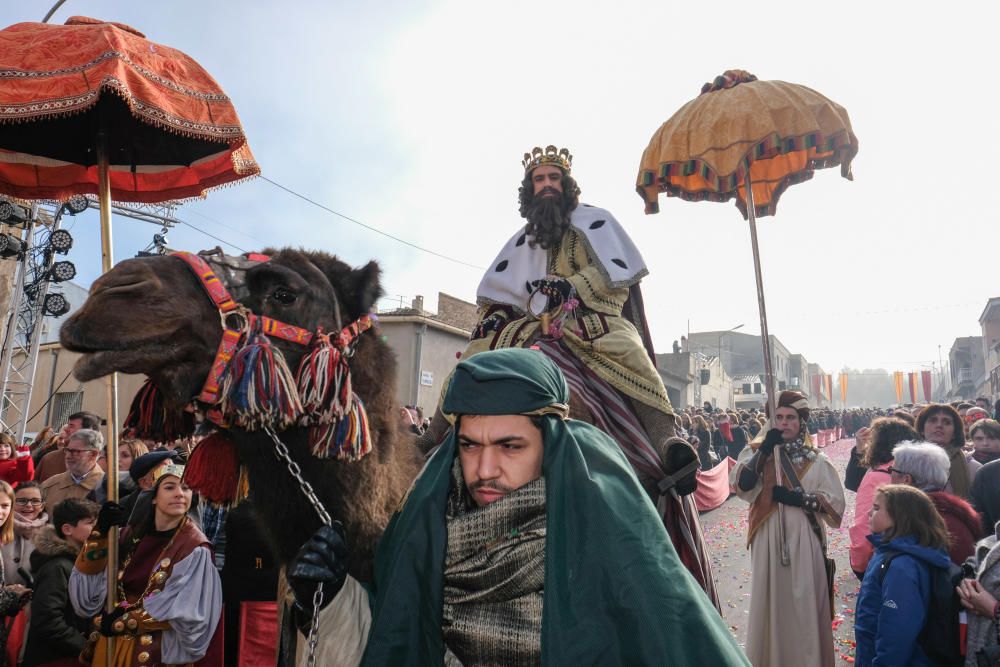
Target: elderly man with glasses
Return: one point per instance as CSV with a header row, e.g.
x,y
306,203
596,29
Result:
x,y
82,472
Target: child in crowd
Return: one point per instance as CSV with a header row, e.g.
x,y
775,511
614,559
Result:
x,y
893,604
16,464
56,633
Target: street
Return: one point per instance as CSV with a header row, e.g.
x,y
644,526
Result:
x,y
725,530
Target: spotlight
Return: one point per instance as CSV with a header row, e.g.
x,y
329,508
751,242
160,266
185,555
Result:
x,y
12,214
62,271
55,305
76,204
61,241
10,245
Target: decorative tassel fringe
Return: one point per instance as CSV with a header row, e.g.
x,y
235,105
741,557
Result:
x,y
215,472
258,389
324,383
347,439
149,418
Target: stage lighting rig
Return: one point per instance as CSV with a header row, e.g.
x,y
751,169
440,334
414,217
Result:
x,y
62,271
61,241
76,204
13,214
55,305
10,246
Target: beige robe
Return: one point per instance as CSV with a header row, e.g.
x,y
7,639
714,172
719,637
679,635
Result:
x,y
789,605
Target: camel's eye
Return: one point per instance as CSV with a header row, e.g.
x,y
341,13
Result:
x,y
282,295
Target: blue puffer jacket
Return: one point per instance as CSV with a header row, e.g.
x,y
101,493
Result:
x,y
890,613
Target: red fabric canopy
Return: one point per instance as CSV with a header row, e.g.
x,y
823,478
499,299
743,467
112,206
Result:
x,y
173,133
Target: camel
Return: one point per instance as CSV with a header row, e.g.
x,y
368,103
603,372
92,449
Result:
x,y
151,316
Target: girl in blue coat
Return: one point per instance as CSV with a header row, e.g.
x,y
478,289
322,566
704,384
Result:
x,y
893,605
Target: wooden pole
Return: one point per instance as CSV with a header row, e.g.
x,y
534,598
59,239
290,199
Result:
x,y
110,381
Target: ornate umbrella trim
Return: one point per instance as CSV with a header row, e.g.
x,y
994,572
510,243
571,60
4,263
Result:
x,y
14,73
67,106
823,152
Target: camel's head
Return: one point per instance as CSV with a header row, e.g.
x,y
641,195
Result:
x,y
152,316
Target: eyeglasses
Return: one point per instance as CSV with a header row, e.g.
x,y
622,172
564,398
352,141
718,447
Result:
x,y
892,470
29,501
77,452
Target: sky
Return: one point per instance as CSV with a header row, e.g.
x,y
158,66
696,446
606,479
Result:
x,y
412,118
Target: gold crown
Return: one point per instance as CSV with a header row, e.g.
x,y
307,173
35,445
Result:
x,y
171,468
551,155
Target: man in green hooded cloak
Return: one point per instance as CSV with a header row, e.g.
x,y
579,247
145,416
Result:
x,y
525,540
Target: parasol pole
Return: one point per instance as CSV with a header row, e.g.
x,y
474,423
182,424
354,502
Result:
x,y
765,341
111,381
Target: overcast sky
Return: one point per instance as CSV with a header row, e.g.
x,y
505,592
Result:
x,y
412,117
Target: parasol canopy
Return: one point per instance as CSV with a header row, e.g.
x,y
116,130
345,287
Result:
x,y
171,132
781,131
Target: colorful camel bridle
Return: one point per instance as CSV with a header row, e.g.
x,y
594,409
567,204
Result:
x,y
319,396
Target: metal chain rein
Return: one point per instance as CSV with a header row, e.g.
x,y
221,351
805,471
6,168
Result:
x,y
281,452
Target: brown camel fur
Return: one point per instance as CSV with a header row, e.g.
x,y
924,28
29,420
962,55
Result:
x,y
151,316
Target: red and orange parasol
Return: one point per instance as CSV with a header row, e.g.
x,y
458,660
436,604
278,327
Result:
x,y
92,107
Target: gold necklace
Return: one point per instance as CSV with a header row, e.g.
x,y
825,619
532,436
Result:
x,y
152,576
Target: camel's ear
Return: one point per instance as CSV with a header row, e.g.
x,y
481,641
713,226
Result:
x,y
363,288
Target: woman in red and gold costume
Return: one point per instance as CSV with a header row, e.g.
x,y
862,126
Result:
x,y
170,590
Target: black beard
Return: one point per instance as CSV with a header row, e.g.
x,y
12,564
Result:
x,y
548,219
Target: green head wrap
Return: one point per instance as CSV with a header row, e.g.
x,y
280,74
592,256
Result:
x,y
615,591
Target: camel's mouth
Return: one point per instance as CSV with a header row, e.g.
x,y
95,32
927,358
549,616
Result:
x,y
92,365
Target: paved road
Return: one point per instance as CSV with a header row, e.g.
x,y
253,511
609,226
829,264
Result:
x,y
725,531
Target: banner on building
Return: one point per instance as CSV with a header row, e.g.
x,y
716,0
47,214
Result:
x,y
925,377
829,386
897,380
913,387
843,389
816,391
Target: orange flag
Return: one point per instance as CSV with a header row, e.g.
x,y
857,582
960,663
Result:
x,y
913,387
843,388
897,378
828,379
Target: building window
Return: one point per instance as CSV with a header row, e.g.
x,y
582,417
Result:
x,y
746,388
64,404
756,387
781,385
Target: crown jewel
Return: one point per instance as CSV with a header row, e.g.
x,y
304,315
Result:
x,y
551,155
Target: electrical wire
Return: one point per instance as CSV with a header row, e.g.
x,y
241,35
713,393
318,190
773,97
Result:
x,y
369,227
49,399
220,240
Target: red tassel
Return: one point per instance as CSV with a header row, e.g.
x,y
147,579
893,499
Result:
x,y
215,472
151,420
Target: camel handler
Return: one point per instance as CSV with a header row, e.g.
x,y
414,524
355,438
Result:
x,y
526,539
567,283
791,594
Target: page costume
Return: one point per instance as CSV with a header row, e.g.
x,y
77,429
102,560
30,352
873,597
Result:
x,y
790,612
549,574
170,580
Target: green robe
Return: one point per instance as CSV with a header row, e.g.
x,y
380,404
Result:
x,y
615,591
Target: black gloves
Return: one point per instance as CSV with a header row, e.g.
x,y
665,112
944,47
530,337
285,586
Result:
x,y
322,559
771,440
559,290
108,628
111,514
786,496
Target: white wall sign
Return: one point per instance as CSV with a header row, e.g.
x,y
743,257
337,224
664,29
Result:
x,y
427,378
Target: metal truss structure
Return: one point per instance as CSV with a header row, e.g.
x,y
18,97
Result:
x,y
32,285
